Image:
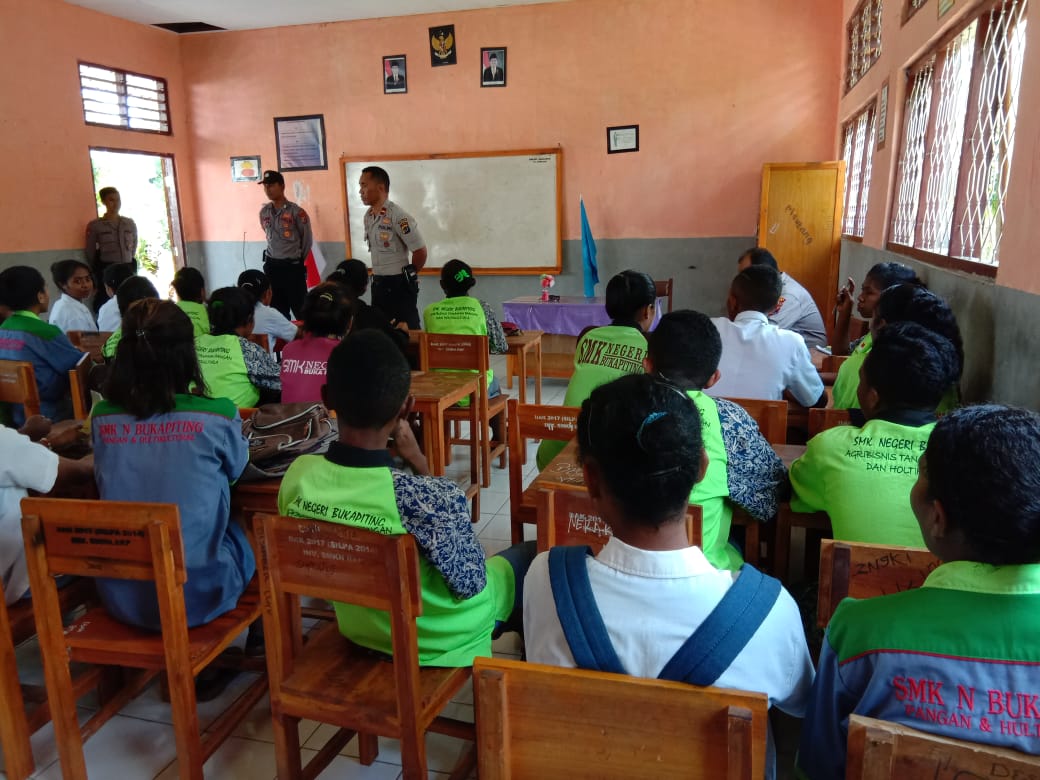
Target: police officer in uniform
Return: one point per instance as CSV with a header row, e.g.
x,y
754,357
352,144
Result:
x,y
110,239
391,233
288,231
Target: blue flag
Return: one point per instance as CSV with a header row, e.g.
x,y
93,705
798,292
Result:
x,y
588,256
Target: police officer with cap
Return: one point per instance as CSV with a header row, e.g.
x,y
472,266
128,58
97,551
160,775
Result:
x,y
391,233
288,231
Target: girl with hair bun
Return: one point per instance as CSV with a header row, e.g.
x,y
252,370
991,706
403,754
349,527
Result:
x,y
326,319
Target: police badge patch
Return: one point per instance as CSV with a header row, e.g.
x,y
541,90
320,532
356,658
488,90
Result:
x,y
405,227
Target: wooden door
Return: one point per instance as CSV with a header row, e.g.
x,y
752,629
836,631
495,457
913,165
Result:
x,y
800,223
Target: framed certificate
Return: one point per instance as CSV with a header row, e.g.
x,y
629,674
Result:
x,y
623,138
301,143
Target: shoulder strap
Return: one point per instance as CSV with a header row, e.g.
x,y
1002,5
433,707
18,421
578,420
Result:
x,y
580,618
724,633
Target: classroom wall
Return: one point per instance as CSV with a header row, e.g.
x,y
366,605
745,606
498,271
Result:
x,y
44,143
998,317
717,88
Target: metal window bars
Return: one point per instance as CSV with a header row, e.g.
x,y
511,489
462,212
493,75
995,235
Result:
x,y
858,154
910,168
864,40
121,99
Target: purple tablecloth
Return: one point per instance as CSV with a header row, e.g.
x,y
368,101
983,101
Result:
x,y
569,315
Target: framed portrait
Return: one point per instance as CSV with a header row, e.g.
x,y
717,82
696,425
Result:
x,y
881,116
395,75
623,138
301,143
246,168
442,45
493,66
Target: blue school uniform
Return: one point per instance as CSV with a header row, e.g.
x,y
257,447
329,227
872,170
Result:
x,y
24,336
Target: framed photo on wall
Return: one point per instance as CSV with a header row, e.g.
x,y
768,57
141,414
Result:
x,y
301,143
395,75
622,138
246,168
493,66
442,45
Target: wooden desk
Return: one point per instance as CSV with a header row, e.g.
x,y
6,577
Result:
x,y
516,359
789,453
435,392
249,498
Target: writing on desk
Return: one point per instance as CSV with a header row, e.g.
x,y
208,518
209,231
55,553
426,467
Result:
x,y
582,523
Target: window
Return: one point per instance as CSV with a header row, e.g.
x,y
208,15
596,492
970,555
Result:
x,y
958,135
864,41
116,98
859,138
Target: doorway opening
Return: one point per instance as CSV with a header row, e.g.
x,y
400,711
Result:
x,y
148,189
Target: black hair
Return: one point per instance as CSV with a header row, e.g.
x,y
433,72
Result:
x,y
327,310
983,466
758,288
133,289
229,309
19,287
627,293
913,368
456,278
117,273
63,270
379,174
912,303
685,348
189,284
645,437
759,256
254,283
155,359
367,380
104,192
352,274
888,274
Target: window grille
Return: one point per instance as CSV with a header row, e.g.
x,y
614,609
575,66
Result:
x,y
908,176
858,154
117,98
864,40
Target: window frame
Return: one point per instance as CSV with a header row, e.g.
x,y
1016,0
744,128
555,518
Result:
x,y
865,164
853,25
121,75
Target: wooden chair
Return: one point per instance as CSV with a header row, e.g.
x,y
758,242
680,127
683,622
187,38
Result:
x,y
79,387
822,419
330,679
832,363
786,520
568,517
23,708
879,750
260,339
90,342
468,353
134,541
663,289
866,570
18,385
549,721
534,421
771,417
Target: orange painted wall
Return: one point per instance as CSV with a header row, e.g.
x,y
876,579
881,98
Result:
x,y
718,88
902,45
43,139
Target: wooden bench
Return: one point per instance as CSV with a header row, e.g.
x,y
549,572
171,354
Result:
x,y
771,417
18,385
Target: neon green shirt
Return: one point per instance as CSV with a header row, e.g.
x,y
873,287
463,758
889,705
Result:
x,y
712,491
461,315
197,314
224,369
847,381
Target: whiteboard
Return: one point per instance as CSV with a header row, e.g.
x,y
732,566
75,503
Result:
x,y
497,211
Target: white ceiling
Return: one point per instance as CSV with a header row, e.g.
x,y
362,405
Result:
x,y
251,15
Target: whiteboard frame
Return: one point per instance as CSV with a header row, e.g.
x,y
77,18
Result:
x,y
556,152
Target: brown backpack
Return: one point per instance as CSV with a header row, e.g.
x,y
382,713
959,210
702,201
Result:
x,y
280,433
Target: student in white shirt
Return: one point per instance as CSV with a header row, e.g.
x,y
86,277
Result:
x,y
265,318
796,310
76,283
109,318
760,360
640,446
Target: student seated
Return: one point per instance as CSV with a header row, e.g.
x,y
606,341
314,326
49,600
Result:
x,y
760,360
861,476
743,469
109,316
796,310
70,311
464,596
326,320
648,590
232,365
266,319
24,466
24,336
352,275
191,298
878,279
609,352
957,657
135,288
156,441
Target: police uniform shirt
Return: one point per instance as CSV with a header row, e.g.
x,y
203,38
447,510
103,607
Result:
x,y
111,241
288,231
391,233
797,311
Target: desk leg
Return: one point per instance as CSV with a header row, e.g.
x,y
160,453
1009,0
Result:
x,y
433,440
510,368
523,374
474,467
538,372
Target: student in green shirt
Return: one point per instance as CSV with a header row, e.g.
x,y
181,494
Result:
x,y
861,477
190,287
133,289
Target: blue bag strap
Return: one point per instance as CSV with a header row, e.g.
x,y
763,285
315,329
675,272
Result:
x,y
724,633
580,618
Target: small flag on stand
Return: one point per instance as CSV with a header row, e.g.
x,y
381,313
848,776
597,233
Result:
x,y
315,263
590,271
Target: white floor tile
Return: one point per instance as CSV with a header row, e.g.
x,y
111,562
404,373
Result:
x,y
257,724
125,748
442,752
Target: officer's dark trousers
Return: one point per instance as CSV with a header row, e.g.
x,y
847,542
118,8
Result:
x,y
288,285
393,295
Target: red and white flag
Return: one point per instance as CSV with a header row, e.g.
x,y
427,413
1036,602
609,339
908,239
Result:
x,y
315,263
